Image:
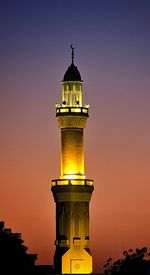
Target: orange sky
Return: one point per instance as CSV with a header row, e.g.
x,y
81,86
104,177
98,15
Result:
x,y
117,152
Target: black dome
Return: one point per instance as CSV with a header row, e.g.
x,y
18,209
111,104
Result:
x,y
72,74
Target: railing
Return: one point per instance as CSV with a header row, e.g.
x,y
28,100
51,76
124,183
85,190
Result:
x,y
87,182
72,111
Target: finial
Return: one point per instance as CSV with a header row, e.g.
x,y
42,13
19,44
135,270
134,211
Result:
x,y
72,54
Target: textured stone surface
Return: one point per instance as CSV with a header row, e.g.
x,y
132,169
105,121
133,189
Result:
x,y
71,121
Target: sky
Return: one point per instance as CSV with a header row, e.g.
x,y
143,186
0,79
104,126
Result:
x,y
112,52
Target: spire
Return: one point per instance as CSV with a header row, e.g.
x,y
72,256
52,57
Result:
x,y
72,54
72,73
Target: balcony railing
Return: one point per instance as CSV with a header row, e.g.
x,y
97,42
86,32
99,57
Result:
x,y
60,111
87,182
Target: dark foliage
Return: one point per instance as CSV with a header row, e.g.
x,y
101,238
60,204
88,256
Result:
x,y
13,254
133,262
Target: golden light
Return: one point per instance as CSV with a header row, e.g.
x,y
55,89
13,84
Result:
x,y
72,191
73,176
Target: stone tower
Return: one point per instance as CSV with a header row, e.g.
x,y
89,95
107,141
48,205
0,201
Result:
x,y
72,191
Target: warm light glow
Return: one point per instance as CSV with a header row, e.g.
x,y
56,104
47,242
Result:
x,y
84,110
64,110
73,176
70,168
89,182
72,200
72,153
62,182
53,183
72,93
74,181
76,110
73,161
76,261
87,105
73,109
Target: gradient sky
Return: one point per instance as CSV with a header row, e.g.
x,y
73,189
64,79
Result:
x,y
112,40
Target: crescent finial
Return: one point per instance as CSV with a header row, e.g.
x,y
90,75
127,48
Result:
x,y
72,54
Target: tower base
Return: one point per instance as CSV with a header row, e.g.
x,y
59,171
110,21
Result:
x,y
72,255
75,260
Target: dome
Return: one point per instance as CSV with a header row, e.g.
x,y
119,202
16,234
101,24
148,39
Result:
x,y
72,74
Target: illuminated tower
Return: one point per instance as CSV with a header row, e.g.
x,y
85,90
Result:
x,y
72,191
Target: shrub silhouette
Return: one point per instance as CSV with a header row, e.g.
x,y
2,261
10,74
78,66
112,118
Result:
x,y
13,254
134,262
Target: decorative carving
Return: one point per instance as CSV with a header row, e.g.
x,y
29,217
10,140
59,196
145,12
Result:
x,y
63,211
71,121
86,218
63,219
72,196
76,215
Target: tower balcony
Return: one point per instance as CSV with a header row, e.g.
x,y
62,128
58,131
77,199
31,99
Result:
x,y
72,192
72,111
85,182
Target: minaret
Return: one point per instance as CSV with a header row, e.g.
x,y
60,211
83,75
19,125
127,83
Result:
x,y
72,191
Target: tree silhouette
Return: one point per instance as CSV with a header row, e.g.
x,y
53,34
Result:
x,y
134,262
13,254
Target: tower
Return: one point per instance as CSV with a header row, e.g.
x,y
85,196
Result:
x,y
72,191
